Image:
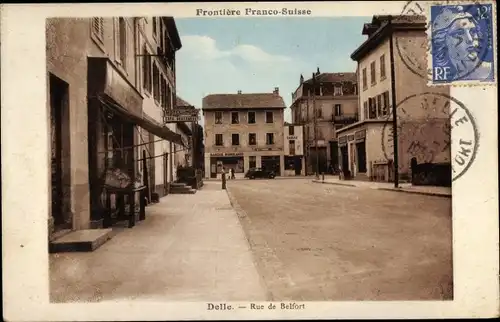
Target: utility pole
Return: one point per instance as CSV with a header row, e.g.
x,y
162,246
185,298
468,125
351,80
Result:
x,y
315,125
306,128
394,113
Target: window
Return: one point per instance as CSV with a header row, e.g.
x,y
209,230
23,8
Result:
x,y
269,117
252,161
155,27
235,139
251,117
218,140
385,109
252,139
365,86
97,28
338,110
269,138
379,105
372,112
218,117
122,46
291,146
235,119
365,110
291,130
337,90
319,113
372,73
382,67
146,70
164,93
156,83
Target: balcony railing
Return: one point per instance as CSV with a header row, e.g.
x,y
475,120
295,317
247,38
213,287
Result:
x,y
345,118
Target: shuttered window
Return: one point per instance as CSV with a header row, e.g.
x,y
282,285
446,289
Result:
x,y
98,28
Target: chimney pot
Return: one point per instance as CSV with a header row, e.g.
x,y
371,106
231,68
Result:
x,y
239,91
276,90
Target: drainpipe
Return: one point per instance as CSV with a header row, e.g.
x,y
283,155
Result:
x,y
394,113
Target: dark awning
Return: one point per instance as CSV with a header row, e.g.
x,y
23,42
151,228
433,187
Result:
x,y
155,128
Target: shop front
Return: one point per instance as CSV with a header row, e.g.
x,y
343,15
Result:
x,y
226,161
271,163
352,153
114,150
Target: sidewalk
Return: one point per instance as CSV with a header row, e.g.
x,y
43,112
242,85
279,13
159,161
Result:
x,y
403,187
189,248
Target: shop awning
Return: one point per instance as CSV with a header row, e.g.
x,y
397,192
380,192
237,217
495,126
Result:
x,y
150,126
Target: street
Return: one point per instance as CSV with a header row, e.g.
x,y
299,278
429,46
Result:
x,y
285,239
323,242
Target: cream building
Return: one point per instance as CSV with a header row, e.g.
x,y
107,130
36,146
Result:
x,y
294,149
243,131
366,148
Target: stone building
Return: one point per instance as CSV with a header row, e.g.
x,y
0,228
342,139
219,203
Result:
x,y
293,149
108,82
184,157
323,106
243,131
366,148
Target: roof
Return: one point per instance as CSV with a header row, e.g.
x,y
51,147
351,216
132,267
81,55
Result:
x,y
334,78
182,103
379,29
243,101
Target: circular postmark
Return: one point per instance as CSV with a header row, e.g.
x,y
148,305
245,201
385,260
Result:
x,y
459,41
432,128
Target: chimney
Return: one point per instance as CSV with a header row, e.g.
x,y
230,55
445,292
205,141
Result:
x,y
317,71
301,79
239,91
276,90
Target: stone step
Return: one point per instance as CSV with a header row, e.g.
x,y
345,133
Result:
x,y
85,240
59,234
183,191
178,184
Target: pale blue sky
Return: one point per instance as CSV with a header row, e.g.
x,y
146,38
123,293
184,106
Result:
x,y
257,54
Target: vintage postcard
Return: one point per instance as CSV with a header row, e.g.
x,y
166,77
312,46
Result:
x,y
203,161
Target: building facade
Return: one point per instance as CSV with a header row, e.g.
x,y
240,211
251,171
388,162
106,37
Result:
x,y
106,91
294,149
322,106
185,156
243,131
366,148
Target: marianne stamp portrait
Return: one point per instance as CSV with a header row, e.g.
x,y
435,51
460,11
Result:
x,y
462,43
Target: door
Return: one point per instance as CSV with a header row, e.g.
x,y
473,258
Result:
x,y
58,101
361,156
345,158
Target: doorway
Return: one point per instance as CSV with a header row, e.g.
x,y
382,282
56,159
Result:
x,y
59,138
345,158
361,156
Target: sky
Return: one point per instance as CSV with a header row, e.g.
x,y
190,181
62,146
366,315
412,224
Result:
x,y
255,55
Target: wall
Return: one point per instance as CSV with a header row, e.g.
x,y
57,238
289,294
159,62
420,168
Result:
x,y
381,84
297,136
243,129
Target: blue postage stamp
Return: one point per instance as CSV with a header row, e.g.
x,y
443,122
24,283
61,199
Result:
x,y
462,43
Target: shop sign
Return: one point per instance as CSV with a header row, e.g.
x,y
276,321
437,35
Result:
x,y
181,114
227,154
267,149
350,137
360,134
292,137
342,139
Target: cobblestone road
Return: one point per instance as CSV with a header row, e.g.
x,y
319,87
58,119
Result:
x,y
318,242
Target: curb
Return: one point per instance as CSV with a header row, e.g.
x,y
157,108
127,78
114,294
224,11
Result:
x,y
434,194
242,216
335,183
